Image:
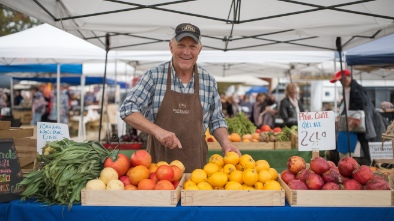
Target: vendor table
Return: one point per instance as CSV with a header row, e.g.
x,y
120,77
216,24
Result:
x,y
29,210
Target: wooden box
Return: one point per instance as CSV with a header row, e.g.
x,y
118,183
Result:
x,y
232,197
338,198
283,145
245,145
152,198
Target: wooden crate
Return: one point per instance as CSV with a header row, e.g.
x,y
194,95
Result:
x,y
338,198
5,125
151,198
283,145
232,197
15,132
244,145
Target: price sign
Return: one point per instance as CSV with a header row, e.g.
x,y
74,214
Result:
x,y
50,132
316,130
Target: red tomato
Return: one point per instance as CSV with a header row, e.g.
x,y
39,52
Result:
x,y
277,129
265,128
258,131
121,164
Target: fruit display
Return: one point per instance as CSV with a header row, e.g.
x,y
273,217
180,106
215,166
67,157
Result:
x,y
233,172
137,173
325,175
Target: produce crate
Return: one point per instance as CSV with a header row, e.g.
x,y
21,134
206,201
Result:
x,y
245,145
285,145
152,198
338,198
124,146
232,197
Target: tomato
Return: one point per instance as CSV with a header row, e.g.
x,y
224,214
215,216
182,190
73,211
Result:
x,y
120,163
258,131
277,129
265,128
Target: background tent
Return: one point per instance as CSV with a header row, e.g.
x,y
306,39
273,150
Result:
x,y
226,25
76,81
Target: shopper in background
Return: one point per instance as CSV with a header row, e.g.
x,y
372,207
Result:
x,y
64,105
38,105
18,98
290,106
175,102
356,98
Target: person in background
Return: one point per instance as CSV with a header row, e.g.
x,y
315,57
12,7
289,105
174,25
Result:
x,y
3,99
246,105
18,98
356,98
64,105
38,105
268,112
175,102
290,106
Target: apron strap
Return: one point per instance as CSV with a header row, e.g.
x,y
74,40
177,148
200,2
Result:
x,y
196,82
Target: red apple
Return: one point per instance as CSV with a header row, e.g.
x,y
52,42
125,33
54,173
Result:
x,y
303,174
287,176
346,166
319,165
297,185
331,175
332,164
352,185
314,181
363,174
175,183
330,186
125,180
377,184
164,172
295,164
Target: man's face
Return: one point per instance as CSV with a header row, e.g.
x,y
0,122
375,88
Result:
x,y
347,81
184,53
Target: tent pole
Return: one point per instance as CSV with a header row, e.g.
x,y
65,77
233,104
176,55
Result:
x,y
82,126
104,83
58,93
339,48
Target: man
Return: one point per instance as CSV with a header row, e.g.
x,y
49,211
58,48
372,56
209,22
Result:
x,y
356,98
38,105
176,102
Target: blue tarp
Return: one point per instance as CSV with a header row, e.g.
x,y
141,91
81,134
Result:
x,y
45,68
258,89
75,80
378,52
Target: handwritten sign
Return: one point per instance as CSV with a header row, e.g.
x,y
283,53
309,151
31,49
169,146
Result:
x,y
10,170
316,130
377,151
50,132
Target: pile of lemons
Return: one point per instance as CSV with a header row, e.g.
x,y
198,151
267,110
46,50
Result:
x,y
233,172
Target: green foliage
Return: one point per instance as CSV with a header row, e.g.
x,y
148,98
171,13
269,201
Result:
x,y
12,21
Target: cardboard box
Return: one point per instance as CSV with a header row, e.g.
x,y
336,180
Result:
x,y
283,145
151,198
338,198
232,197
245,145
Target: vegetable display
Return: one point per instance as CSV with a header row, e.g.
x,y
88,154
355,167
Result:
x,y
67,167
240,124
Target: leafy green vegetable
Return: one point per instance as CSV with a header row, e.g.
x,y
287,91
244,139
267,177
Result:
x,y
68,166
240,124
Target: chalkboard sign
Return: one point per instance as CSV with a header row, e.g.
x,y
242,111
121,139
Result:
x,y
10,170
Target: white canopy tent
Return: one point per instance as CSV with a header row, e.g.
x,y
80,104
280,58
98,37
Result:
x,y
226,25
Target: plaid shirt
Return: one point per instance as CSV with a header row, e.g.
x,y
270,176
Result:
x,y
147,95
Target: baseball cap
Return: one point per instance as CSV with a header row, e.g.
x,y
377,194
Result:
x,y
338,75
187,30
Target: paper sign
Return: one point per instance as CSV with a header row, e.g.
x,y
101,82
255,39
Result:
x,y
316,130
50,132
377,151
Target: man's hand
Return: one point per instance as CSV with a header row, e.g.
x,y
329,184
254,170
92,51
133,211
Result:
x,y
230,147
168,139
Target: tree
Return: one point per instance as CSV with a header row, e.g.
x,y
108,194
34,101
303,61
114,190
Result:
x,y
12,21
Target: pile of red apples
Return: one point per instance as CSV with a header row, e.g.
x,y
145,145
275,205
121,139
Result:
x,y
325,175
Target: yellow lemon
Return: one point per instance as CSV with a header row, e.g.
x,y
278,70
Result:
x,y
247,187
188,183
161,163
218,179
231,185
262,165
231,158
272,185
228,169
247,161
239,167
264,176
210,168
198,176
258,186
236,176
273,173
191,187
204,186
250,177
216,159
179,164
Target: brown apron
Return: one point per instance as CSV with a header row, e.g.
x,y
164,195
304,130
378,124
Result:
x,y
182,115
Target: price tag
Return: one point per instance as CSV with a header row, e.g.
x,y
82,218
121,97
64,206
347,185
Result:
x,y
316,131
50,132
